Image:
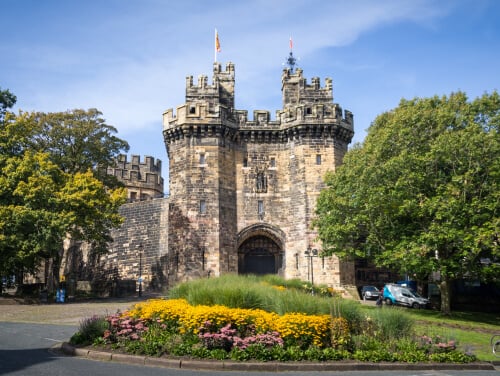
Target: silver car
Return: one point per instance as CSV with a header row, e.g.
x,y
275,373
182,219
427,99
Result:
x,y
369,292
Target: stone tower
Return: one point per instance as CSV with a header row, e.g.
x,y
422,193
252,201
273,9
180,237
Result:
x,y
142,179
243,191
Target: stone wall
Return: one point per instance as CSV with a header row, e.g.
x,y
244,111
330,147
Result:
x,y
140,246
293,173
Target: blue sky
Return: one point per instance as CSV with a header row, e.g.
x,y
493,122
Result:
x,y
130,58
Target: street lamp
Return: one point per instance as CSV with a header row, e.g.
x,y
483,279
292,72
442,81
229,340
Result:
x,y
140,251
310,253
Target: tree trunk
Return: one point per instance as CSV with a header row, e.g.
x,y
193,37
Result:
x,y
49,268
445,289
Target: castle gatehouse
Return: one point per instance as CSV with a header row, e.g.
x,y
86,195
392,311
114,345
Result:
x,y
242,190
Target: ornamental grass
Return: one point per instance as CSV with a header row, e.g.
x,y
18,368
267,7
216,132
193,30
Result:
x,y
270,293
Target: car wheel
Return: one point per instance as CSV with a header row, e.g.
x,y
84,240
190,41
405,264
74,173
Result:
x,y
388,301
415,305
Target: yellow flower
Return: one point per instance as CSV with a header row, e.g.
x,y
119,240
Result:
x,y
299,328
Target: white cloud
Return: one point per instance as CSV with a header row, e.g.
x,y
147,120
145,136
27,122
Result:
x,y
134,65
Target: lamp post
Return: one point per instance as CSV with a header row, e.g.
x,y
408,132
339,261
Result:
x,y
140,251
310,253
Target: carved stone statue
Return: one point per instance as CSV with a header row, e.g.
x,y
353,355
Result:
x,y
261,182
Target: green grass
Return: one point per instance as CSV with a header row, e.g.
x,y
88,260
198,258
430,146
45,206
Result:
x,y
472,320
471,341
472,330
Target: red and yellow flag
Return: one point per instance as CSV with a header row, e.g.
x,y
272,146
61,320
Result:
x,y
217,43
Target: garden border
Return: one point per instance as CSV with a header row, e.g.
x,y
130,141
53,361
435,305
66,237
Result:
x,y
225,365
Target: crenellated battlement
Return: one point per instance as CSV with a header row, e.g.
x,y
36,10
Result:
x,y
302,101
220,92
209,110
143,180
219,74
296,91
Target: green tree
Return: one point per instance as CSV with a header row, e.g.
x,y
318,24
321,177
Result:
x,y
42,202
421,194
32,224
78,141
7,100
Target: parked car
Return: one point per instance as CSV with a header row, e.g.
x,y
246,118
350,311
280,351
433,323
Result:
x,y
398,295
369,292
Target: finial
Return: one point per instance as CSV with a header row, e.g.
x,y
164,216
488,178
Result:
x,y
291,61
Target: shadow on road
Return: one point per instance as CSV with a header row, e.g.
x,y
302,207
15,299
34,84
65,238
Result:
x,y
15,360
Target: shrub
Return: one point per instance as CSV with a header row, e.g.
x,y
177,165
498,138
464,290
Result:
x,y
156,340
228,337
302,330
437,344
222,327
340,336
378,355
334,354
408,350
314,353
452,356
268,340
89,330
223,339
367,342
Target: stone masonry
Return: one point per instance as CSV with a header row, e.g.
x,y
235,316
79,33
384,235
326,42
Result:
x,y
243,192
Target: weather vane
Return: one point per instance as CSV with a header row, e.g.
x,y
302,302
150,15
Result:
x,y
291,61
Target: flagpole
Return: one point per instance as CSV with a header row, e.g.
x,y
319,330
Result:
x,y
215,46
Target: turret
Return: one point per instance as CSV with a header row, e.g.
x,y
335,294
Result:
x,y
225,80
142,179
296,91
221,92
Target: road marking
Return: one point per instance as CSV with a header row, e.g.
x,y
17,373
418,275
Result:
x,y
54,340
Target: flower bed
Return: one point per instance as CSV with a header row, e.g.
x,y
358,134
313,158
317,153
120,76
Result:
x,y
174,327
295,329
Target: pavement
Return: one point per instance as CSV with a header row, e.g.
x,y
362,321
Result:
x,y
16,310
19,310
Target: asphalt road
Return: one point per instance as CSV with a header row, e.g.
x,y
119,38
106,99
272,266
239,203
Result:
x,y
27,348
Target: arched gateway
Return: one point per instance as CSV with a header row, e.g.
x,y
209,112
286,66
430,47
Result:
x,y
260,250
